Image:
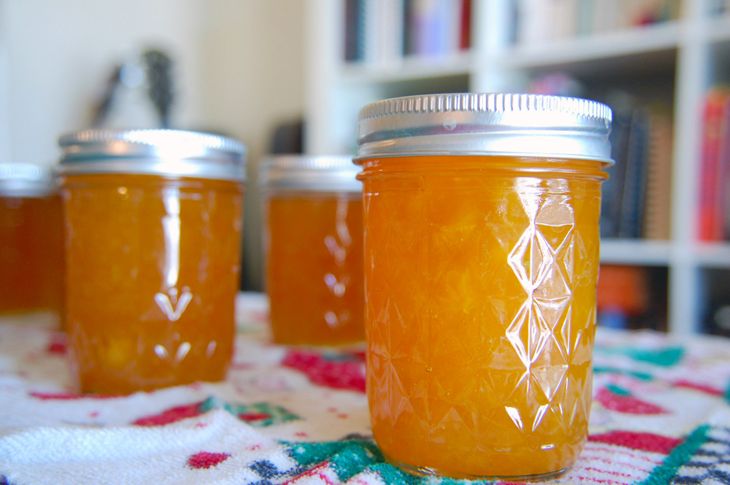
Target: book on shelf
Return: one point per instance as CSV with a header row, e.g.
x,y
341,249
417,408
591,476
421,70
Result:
x,y
631,297
612,191
717,320
657,205
714,284
622,293
635,158
373,30
718,7
540,20
724,157
713,218
549,20
636,196
353,42
386,31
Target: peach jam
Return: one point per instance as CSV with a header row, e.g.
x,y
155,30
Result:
x,y
481,259
314,250
153,241
31,242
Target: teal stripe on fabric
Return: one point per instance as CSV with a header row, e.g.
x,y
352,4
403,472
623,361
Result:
x,y
358,452
353,458
392,475
618,390
665,357
680,455
346,458
644,376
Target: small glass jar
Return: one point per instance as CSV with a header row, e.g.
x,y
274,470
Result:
x,y
153,243
31,242
481,259
314,250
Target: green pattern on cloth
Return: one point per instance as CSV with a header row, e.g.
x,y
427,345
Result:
x,y
348,458
258,414
666,357
667,419
643,376
353,458
393,476
618,390
680,455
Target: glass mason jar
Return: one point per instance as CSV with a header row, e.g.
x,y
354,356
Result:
x,y
153,242
314,250
31,242
481,259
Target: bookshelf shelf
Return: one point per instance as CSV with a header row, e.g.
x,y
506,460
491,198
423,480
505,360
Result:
x,y
636,252
670,64
718,29
409,68
631,47
715,255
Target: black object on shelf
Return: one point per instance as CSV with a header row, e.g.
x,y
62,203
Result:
x,y
288,137
158,67
146,81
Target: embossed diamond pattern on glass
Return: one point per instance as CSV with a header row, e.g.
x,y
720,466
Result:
x,y
480,318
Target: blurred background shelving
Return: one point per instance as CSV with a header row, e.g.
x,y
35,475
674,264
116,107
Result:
x,y
661,64
656,62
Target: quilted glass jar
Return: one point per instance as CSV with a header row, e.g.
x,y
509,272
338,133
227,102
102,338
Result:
x,y
314,250
153,242
481,260
31,242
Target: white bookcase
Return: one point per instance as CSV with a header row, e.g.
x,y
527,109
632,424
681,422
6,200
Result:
x,y
694,49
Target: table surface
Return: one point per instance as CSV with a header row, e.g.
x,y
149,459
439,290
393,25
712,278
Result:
x,y
661,414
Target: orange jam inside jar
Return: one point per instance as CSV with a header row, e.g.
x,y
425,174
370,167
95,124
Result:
x,y
314,274
153,242
481,262
31,242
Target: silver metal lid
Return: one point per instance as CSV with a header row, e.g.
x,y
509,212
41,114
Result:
x,y
25,180
326,173
174,153
482,123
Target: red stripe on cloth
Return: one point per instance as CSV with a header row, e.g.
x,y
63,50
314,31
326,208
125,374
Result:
x,y
638,441
57,344
626,404
67,396
170,415
637,455
348,373
597,480
613,462
608,472
249,417
207,459
318,472
695,386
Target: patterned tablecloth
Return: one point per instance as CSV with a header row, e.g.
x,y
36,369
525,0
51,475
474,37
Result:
x,y
661,415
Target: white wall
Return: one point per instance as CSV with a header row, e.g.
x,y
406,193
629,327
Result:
x,y
253,69
238,63
59,54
